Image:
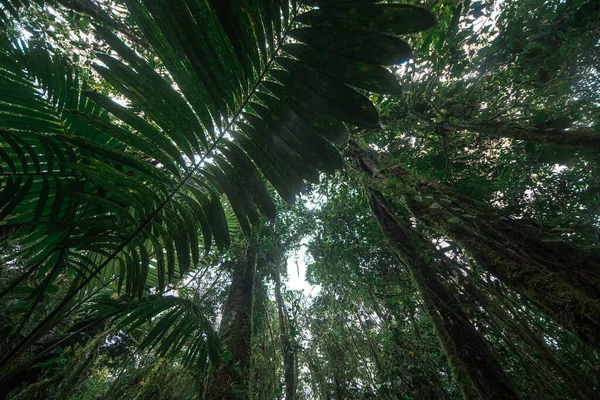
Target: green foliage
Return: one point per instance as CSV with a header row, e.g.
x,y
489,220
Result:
x,y
176,322
142,141
123,196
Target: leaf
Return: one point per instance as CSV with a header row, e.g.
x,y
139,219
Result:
x,y
303,136
140,125
160,85
226,355
144,94
173,318
20,194
253,181
368,47
370,77
398,19
309,89
130,139
343,100
283,181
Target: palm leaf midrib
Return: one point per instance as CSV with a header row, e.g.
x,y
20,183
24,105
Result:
x,y
215,144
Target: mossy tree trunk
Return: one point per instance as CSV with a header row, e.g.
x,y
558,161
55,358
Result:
x,y
476,370
289,363
561,279
230,380
577,137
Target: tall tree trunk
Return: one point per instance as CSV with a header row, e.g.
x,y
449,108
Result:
x,y
289,364
561,279
577,137
230,380
476,370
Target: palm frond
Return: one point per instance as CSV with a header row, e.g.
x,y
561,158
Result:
x,y
69,186
90,185
246,99
178,326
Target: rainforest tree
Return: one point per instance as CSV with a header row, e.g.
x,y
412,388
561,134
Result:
x,y
433,163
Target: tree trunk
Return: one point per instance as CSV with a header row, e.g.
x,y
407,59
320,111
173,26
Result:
x,y
576,137
476,370
289,363
562,280
230,380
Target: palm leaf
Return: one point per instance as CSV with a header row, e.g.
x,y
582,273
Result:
x,y
174,324
245,103
61,174
280,104
72,197
275,105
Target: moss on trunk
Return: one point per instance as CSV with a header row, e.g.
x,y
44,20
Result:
x,y
230,380
476,370
561,279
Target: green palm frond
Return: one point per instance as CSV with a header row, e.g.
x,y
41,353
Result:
x,y
244,99
247,98
254,92
160,270
177,326
71,195
67,186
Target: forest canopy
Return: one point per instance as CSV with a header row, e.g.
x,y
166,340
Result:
x,y
285,199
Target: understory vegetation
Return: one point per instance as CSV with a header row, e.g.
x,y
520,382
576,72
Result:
x,y
284,199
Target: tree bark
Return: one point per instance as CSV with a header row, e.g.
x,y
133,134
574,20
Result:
x,y
230,380
562,280
476,370
576,137
289,364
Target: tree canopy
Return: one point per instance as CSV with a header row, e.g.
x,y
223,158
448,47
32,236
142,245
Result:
x,y
168,170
